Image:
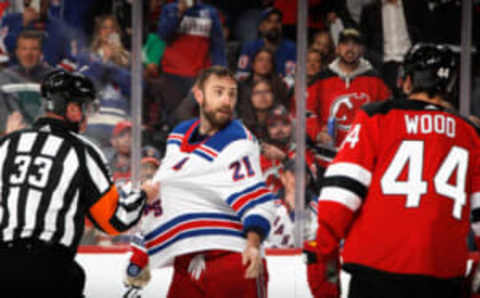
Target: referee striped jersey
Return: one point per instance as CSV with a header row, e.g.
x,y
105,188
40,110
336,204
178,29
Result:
x,y
51,178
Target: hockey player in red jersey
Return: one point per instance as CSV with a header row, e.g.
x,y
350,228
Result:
x,y
400,191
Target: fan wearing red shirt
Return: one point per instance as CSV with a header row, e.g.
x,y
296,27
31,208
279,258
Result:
x,y
401,192
349,82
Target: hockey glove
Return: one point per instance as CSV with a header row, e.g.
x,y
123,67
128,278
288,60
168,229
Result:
x,y
138,271
136,276
322,273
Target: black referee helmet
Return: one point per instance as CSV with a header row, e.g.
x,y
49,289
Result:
x,y
60,87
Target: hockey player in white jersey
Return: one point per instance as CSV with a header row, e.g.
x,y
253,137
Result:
x,y
215,207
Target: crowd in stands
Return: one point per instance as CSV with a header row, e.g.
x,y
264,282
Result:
x,y
354,56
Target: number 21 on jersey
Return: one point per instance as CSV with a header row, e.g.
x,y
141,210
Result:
x,y
241,169
411,153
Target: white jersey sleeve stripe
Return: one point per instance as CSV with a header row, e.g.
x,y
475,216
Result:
x,y
342,196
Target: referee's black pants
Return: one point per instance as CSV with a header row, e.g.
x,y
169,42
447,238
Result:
x,y
36,269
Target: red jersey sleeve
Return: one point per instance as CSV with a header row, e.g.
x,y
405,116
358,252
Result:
x,y
346,182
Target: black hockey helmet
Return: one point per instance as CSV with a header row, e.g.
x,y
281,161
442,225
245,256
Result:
x,y
60,87
432,68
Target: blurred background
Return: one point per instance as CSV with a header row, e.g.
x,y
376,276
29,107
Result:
x,y
300,80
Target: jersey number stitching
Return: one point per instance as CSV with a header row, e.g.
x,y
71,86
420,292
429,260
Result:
x,y
238,171
38,179
412,153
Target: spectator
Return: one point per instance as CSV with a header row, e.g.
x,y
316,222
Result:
x,y
289,10
107,65
184,28
120,158
337,17
322,41
392,26
314,65
284,50
348,83
276,147
17,92
254,111
58,43
283,226
107,41
28,52
263,68
153,52
278,152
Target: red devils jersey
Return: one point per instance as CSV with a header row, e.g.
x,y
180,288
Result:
x,y
271,171
335,96
401,188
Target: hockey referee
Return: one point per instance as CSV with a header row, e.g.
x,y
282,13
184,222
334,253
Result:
x,y
50,178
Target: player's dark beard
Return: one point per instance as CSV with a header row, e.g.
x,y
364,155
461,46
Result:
x,y
214,121
273,35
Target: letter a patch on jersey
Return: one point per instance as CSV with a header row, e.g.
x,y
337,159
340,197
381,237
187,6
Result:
x,y
179,165
352,137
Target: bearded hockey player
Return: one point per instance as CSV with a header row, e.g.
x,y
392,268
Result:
x,y
215,209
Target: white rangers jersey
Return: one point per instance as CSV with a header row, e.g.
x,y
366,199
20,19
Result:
x,y
283,225
211,193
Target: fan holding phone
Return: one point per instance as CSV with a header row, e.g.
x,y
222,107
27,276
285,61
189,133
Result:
x,y
107,42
